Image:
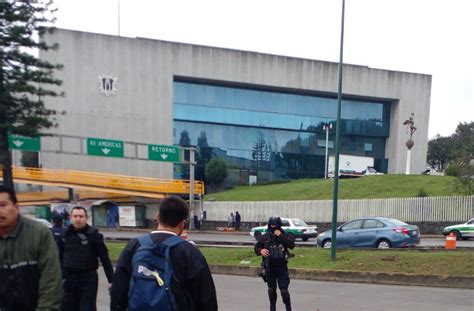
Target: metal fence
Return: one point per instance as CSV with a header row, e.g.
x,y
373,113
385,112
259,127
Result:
x,y
428,209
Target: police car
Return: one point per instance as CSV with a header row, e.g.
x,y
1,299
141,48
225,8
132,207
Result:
x,y
461,231
297,227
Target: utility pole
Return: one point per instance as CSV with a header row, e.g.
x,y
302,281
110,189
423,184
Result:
x,y
338,137
192,165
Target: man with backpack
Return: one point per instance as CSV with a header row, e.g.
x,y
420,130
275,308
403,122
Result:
x,y
161,271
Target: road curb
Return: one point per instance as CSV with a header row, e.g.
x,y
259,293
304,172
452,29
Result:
x,y
358,277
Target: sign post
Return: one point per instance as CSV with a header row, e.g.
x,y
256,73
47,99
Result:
x,y
24,143
164,153
105,147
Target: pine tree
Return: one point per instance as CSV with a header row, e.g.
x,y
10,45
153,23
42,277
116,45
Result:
x,y
25,79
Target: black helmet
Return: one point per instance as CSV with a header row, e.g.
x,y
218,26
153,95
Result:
x,y
274,221
57,218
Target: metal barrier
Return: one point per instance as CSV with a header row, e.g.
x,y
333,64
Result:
x,y
147,187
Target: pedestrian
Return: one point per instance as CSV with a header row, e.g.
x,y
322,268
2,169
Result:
x,y
66,216
188,276
230,220
273,247
81,249
57,230
30,273
237,221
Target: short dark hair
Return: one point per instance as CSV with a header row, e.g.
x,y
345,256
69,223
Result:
x,y
173,210
11,193
79,208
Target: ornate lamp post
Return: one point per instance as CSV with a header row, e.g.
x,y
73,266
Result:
x,y
410,123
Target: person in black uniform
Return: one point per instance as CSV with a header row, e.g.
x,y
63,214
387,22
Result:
x,y
273,247
81,248
193,287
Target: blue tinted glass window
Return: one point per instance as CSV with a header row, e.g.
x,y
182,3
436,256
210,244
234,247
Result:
x,y
271,134
227,105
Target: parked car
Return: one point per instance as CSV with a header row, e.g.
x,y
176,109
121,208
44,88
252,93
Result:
x,y
371,171
297,227
462,231
44,222
378,232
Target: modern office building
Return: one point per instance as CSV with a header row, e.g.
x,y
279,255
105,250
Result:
x,y
262,113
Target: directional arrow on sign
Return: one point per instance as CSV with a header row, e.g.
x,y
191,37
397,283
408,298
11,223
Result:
x,y
18,143
164,156
105,151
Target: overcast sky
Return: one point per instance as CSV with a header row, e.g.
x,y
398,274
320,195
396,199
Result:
x,y
434,37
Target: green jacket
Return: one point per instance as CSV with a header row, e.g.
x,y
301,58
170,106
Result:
x,y
29,269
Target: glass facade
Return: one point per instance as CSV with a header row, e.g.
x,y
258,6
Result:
x,y
272,134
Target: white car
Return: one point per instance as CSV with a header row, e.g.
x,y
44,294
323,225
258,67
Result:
x,y
372,171
461,231
294,226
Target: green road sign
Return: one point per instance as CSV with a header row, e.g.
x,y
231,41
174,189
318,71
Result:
x,y
105,147
163,153
24,143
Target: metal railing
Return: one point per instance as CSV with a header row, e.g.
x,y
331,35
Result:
x,y
99,181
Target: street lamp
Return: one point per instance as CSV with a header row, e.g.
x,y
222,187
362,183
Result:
x,y
326,127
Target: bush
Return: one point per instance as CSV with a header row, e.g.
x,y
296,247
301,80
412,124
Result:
x,y
422,193
453,170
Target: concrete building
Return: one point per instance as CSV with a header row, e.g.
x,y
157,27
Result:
x,y
262,113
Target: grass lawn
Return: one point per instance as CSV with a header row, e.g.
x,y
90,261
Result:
x,y
386,186
439,262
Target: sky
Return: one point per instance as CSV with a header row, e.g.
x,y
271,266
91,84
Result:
x,y
433,37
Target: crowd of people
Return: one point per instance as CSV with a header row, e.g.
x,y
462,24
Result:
x,y
56,269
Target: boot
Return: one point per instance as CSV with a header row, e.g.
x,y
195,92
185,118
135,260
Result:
x,y
272,296
285,296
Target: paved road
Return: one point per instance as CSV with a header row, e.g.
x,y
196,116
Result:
x,y
237,293
239,238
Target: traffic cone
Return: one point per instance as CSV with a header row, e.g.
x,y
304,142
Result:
x,y
450,242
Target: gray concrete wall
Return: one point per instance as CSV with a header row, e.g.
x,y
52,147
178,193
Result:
x,y
141,111
423,209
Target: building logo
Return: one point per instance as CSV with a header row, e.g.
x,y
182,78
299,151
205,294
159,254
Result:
x,y
107,84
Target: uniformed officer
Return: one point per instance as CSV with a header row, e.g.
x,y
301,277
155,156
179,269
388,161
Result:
x,y
273,247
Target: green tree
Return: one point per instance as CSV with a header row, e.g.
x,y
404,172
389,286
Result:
x,y
25,79
440,152
464,157
216,172
463,141
261,152
203,155
185,141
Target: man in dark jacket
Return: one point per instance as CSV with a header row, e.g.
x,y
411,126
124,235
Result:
x,y
193,287
273,247
30,274
82,246
58,227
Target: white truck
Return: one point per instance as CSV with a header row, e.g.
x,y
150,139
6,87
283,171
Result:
x,y
352,166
